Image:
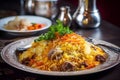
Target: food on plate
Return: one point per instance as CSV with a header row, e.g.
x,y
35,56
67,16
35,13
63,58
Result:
x,y
22,25
35,26
60,49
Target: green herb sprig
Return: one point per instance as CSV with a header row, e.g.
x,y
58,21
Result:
x,y
58,27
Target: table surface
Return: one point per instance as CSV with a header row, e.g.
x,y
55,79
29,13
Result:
x,y
106,31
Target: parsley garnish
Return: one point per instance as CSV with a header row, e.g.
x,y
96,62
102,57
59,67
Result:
x,y
58,27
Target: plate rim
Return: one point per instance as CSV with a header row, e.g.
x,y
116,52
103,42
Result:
x,y
53,73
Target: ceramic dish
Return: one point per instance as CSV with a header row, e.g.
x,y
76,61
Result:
x,y
9,56
32,19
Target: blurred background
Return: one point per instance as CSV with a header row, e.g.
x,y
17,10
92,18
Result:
x,y
109,9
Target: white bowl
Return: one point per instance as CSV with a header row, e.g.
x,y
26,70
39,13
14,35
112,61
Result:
x,y
32,19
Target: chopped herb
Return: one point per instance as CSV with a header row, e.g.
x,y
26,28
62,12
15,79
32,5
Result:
x,y
58,27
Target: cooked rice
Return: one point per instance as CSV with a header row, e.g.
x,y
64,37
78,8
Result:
x,y
65,53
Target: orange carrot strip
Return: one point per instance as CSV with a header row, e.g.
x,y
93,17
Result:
x,y
39,63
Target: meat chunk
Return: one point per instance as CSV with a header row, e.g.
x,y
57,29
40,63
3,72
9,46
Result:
x,y
55,54
100,58
67,66
26,61
83,64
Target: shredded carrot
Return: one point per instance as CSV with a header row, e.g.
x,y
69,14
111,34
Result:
x,y
57,35
31,61
39,63
73,37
